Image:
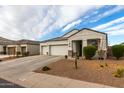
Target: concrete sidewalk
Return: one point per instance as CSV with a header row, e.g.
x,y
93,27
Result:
x,y
37,80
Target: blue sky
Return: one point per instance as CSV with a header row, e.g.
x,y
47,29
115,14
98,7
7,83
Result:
x,y
44,22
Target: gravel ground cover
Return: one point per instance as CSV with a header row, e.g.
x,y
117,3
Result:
x,y
88,70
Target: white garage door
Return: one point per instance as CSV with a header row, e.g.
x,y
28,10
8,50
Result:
x,y
45,50
59,50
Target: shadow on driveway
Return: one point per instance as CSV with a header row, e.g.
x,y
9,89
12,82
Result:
x,y
7,84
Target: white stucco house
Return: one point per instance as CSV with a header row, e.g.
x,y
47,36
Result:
x,y
73,42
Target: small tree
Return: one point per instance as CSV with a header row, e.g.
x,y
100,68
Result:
x,y
76,63
89,51
118,51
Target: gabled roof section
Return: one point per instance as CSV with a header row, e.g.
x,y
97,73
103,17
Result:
x,y
4,41
24,41
55,39
69,34
90,30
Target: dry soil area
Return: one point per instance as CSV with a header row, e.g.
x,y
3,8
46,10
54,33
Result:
x,y
88,70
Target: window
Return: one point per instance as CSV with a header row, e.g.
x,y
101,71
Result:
x,y
94,42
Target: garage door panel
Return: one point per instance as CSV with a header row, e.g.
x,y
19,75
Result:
x,y
59,50
45,50
11,50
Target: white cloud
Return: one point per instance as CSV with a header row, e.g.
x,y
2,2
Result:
x,y
33,22
106,13
59,16
72,24
116,32
108,24
116,27
112,28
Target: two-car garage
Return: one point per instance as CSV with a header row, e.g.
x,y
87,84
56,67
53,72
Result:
x,y
55,50
59,50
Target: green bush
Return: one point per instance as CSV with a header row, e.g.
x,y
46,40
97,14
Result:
x,y
119,73
89,51
45,68
118,51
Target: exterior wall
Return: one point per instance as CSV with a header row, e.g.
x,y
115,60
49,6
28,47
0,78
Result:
x,y
1,48
87,34
33,49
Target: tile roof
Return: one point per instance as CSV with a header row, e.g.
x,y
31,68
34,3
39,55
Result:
x,y
55,39
24,41
4,41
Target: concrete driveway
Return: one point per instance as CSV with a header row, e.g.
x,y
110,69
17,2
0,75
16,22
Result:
x,y
14,69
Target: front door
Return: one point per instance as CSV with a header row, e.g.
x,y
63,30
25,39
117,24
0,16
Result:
x,y
77,47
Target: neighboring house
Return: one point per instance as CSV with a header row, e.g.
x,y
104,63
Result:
x,y
73,42
3,43
23,46
11,47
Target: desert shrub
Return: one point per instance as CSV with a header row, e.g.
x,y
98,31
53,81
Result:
x,y
45,68
118,51
119,73
89,51
66,57
101,65
106,64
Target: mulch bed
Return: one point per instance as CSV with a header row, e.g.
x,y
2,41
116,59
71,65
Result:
x,y
88,70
